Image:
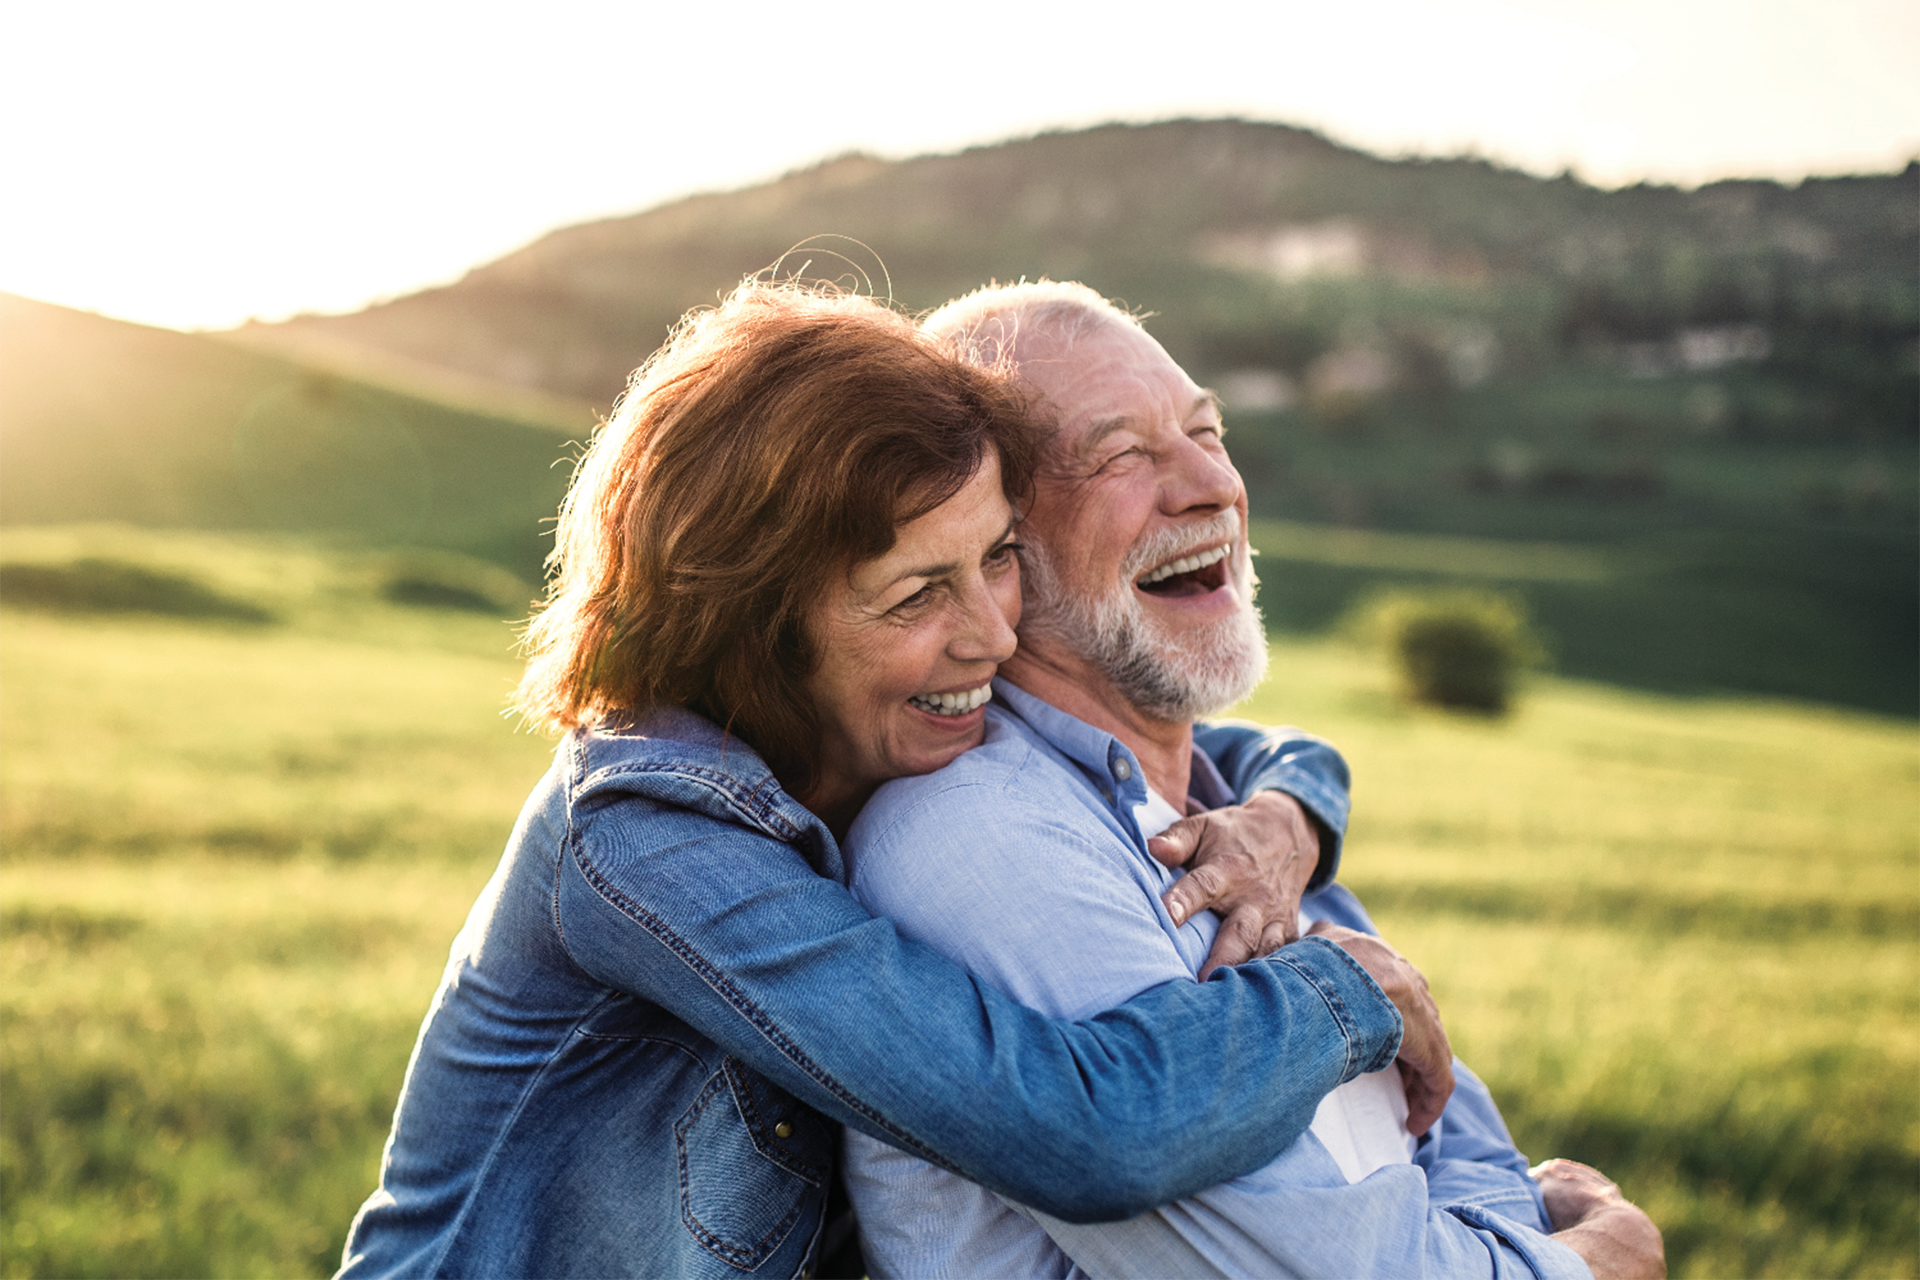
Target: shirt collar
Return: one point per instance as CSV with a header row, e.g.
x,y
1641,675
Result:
x,y
1105,757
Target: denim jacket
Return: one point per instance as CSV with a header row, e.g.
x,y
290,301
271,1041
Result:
x,y
664,1002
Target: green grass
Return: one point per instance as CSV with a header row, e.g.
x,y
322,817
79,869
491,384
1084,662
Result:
x,y
1824,613
1681,938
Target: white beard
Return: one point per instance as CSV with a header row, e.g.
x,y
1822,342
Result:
x,y
1176,678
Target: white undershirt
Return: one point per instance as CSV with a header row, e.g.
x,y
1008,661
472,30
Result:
x,y
1363,1123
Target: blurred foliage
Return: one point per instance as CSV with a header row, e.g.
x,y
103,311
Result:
x,y
1679,937
94,584
439,580
1460,649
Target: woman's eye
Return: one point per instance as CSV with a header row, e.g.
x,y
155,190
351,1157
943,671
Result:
x,y
918,600
1005,553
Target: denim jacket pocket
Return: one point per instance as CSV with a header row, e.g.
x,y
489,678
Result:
x,y
752,1157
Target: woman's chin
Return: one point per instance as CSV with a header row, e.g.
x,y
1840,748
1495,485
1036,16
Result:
x,y
941,740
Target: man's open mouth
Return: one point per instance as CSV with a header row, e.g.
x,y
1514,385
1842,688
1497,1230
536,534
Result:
x,y
952,704
1193,574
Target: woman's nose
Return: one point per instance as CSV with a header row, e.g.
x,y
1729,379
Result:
x,y
986,635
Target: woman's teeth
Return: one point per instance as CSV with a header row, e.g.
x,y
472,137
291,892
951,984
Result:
x,y
953,704
1187,564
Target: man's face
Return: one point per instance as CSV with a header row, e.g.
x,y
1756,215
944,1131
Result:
x,y
1138,558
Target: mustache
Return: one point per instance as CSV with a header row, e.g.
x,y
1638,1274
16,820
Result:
x,y
1162,545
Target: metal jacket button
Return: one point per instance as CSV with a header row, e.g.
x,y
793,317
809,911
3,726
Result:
x,y
783,1130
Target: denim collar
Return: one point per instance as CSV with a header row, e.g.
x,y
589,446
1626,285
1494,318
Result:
x,y
678,757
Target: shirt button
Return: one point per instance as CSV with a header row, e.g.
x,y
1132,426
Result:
x,y
1122,770
783,1130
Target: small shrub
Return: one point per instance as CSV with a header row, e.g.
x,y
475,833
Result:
x,y
1462,650
98,585
443,580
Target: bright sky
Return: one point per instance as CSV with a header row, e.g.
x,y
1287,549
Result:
x,y
191,163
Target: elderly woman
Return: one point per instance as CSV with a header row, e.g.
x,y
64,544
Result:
x,y
786,574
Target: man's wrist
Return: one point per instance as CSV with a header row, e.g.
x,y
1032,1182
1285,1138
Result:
x,y
1305,792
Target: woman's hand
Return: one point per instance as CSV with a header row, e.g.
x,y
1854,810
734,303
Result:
x,y
1590,1216
1425,1059
1250,863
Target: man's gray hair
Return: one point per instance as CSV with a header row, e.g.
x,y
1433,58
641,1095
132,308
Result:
x,y
990,326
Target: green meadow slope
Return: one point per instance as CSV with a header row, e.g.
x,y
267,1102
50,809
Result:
x,y
1679,937
1714,390
101,420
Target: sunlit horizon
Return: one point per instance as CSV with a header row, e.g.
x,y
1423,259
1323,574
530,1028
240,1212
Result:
x,y
207,163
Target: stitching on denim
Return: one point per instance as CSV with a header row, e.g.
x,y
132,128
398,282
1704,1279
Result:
x,y
750,804
1302,784
1383,1057
714,978
1335,1006
513,1118
750,1111
745,1259
576,778
606,1038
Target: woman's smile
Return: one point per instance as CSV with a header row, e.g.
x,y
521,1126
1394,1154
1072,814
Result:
x,y
908,644
953,706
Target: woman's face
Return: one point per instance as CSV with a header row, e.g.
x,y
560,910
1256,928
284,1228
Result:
x,y
907,643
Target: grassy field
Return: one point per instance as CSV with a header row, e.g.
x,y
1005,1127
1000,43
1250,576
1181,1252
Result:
x,y
1680,938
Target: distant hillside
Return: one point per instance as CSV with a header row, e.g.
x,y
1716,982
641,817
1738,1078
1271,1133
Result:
x,y
1265,249
1713,393
101,420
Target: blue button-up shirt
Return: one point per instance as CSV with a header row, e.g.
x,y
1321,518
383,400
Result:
x,y
1023,859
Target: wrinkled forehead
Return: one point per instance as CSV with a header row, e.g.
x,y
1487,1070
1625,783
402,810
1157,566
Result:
x,y
1109,378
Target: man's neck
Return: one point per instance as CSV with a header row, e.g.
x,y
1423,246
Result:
x,y
1071,684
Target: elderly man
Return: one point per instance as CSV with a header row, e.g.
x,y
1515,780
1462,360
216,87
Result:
x,y
1139,619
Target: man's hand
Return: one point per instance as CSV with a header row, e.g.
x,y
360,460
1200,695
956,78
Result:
x,y
1426,1059
1250,863
1590,1216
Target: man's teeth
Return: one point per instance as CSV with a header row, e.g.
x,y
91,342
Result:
x,y
1187,564
953,704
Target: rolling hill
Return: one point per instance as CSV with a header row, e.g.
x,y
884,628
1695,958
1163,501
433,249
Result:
x,y
1715,388
1711,393
105,421
1259,246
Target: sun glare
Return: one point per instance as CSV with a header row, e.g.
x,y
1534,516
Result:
x,y
196,164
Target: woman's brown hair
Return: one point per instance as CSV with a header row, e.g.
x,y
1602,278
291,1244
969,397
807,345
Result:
x,y
773,442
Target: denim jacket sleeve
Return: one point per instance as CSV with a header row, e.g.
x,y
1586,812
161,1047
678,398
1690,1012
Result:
x,y
1189,1084
1253,759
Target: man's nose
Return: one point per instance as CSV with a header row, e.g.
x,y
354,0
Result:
x,y
1198,480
